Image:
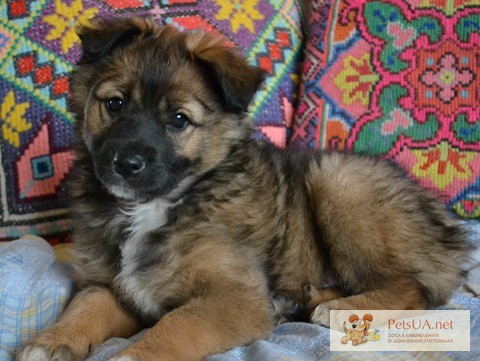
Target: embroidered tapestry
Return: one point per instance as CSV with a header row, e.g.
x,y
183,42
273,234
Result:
x,y
399,79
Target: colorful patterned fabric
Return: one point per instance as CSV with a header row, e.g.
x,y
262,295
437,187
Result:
x,y
400,79
38,48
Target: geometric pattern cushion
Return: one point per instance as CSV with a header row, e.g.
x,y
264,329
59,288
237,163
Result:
x,y
38,49
399,79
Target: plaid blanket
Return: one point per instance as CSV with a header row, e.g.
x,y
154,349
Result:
x,y
34,290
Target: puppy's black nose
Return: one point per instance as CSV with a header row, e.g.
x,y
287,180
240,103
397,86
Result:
x,y
354,326
128,165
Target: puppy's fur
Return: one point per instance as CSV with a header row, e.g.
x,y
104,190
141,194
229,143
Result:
x,y
185,224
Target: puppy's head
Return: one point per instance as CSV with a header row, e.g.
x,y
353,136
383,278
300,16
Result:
x,y
157,107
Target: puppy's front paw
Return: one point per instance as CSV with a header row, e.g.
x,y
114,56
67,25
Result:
x,y
36,352
50,346
32,352
321,315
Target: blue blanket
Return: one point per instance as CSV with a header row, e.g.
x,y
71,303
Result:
x,y
307,342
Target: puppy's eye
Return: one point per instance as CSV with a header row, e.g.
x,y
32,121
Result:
x,y
179,122
115,105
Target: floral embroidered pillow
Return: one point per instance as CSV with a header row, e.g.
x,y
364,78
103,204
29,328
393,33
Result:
x,y
399,79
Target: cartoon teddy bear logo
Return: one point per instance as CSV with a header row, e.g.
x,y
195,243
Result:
x,y
358,334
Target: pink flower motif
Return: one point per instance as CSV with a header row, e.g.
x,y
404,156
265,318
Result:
x,y
448,78
445,77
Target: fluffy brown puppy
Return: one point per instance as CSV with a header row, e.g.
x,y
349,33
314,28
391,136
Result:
x,y
184,224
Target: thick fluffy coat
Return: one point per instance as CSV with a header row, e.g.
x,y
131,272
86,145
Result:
x,y
183,223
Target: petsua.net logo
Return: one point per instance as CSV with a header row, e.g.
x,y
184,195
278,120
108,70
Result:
x,y
359,331
399,330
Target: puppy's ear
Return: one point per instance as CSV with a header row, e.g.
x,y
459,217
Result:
x,y
353,318
230,75
368,317
102,36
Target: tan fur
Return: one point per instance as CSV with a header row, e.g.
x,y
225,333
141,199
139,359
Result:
x,y
222,312
216,238
93,316
364,238
314,297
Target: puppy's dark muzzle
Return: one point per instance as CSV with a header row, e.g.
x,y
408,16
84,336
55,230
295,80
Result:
x,y
136,156
129,165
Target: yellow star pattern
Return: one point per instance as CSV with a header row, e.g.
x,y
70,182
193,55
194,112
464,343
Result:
x,y
12,114
240,13
64,20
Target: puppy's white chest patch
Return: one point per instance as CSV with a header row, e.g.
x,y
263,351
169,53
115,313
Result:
x,y
146,217
143,219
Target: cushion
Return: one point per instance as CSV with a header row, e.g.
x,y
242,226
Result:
x,y
399,79
34,290
38,48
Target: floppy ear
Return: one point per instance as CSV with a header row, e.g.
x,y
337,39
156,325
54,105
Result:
x,y
229,74
353,318
368,317
102,36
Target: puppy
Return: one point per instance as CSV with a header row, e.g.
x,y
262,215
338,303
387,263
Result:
x,y
186,225
359,331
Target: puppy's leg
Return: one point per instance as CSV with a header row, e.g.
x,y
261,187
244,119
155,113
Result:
x,y
314,296
401,295
93,316
217,320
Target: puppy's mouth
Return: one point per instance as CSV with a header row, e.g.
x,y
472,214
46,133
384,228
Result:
x,y
135,187
141,181
119,188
